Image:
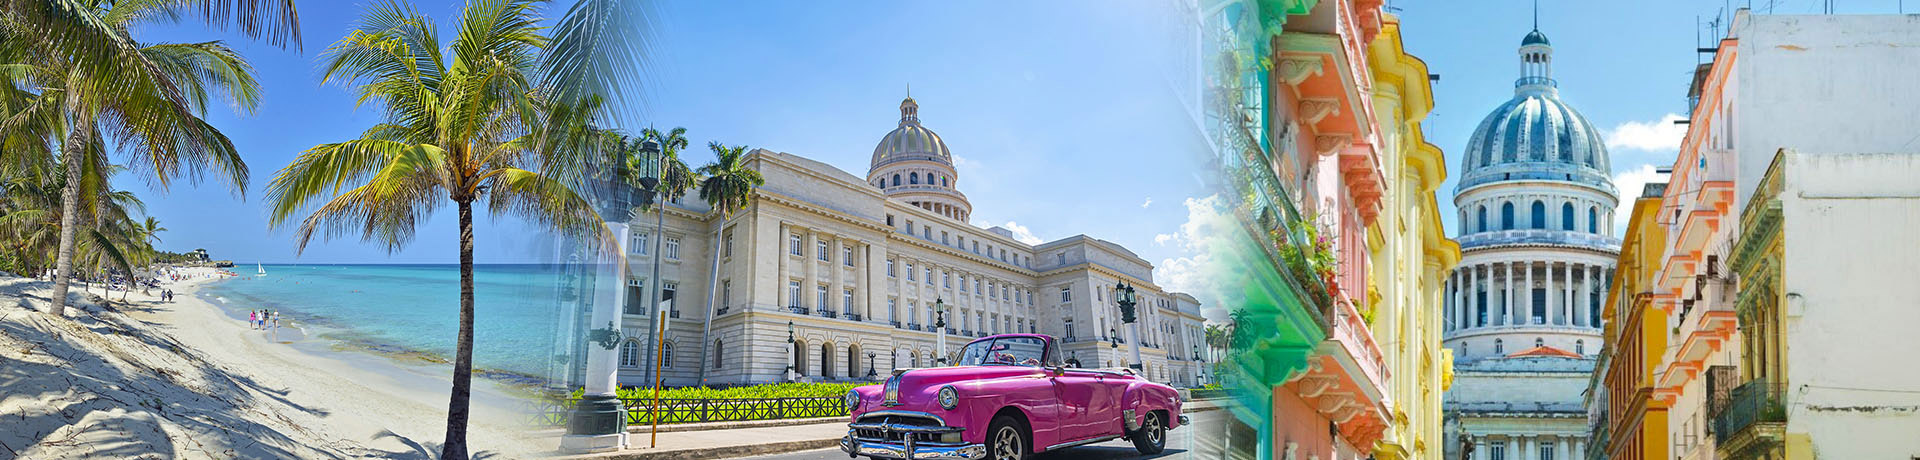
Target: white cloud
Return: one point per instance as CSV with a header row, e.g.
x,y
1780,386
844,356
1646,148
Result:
x,y
1022,233
1652,136
1630,183
1149,202
1207,219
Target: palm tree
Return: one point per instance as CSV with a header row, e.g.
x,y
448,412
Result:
x,y
465,123
728,188
80,60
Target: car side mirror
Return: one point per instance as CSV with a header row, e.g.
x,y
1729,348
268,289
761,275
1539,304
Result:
x,y
1056,371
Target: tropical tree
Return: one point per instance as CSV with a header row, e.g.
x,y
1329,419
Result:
x,y
79,60
468,122
728,187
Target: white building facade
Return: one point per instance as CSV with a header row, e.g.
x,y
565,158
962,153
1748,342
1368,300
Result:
x,y
1537,250
861,268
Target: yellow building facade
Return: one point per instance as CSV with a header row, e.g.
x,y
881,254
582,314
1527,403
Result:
x,y
1410,253
1636,337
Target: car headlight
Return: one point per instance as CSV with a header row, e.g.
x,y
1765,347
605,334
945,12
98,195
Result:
x,y
949,398
853,400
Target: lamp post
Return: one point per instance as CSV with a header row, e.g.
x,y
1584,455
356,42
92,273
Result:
x,y
940,331
790,355
649,190
870,371
1124,295
598,422
1199,370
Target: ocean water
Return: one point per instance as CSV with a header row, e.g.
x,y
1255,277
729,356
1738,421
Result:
x,y
410,308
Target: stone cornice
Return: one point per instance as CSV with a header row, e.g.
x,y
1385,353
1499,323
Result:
x,y
796,203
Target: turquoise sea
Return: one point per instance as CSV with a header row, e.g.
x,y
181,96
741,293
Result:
x,y
397,309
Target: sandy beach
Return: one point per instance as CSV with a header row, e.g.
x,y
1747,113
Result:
x,y
185,379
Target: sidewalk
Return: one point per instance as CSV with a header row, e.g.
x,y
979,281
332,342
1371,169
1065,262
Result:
x,y
741,439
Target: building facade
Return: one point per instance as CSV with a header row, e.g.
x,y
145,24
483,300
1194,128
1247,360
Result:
x,y
1535,201
838,277
1412,255
1636,338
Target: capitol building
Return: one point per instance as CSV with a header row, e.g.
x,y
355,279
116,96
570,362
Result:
x,y
855,268
1523,307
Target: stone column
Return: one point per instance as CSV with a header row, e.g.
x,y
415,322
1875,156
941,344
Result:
x,y
785,246
1506,318
1527,293
836,284
810,284
1562,450
1473,296
1586,297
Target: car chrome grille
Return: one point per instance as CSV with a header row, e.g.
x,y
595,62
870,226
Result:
x,y
897,437
892,395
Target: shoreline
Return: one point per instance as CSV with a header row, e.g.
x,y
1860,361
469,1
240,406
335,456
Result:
x,y
314,400
321,336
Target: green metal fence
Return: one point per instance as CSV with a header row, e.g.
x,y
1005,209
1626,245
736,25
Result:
x,y
640,411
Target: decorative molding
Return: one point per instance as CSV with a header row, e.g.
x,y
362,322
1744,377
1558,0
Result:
x,y
1314,109
1331,143
1294,70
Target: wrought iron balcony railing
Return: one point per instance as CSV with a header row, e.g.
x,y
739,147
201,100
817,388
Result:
x,y
800,310
829,314
853,316
1750,404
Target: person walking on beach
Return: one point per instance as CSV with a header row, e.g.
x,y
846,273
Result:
x,y
253,319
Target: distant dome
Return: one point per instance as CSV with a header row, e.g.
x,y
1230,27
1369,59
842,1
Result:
x,y
910,141
1535,136
1535,38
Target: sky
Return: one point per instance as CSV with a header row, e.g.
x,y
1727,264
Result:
x,y
1059,115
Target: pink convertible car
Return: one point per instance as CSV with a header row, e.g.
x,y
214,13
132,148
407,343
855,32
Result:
x,y
1009,397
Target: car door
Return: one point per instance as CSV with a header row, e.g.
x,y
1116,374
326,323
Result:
x,y
1089,403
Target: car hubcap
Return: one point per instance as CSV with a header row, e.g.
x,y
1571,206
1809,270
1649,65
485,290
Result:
x,y
1153,429
1006,443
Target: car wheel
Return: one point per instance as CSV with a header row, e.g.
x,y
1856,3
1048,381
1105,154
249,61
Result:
x,y
1005,440
1151,438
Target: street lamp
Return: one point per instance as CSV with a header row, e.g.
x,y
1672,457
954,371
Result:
x,y
1113,338
649,191
870,372
790,355
1125,296
940,330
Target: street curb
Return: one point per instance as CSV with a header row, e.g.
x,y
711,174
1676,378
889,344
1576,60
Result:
x,y
710,453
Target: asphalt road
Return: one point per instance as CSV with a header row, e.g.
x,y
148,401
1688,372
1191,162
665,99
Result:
x,y
1199,440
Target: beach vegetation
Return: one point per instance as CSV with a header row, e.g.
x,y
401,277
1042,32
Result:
x,y
79,78
502,116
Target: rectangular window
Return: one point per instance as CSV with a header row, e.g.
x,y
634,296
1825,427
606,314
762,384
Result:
x,y
926,232
992,294
639,241
890,268
1546,450
1003,291
793,294
1066,294
889,220
946,279
667,288
976,288
726,293
727,243
846,255
909,271
820,251
1061,258
929,276
636,296
793,244
846,300
976,247
1003,254
822,301
1498,451
673,249
943,237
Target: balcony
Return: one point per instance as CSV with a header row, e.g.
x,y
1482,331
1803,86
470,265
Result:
x,y
896,324
720,312
966,332
1753,415
799,310
853,316
828,314
950,331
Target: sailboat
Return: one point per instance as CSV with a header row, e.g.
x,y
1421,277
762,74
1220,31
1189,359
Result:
x,y
263,270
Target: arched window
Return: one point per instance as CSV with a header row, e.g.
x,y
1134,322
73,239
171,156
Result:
x,y
719,349
853,361
826,360
1480,225
799,358
1539,219
630,354
913,178
1580,347
1499,346
1566,216
666,355
1593,219
1506,216
913,359
943,181
896,180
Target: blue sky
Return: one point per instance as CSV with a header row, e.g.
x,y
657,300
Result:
x,y
1059,114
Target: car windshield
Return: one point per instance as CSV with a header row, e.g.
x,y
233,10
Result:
x,y
1005,351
